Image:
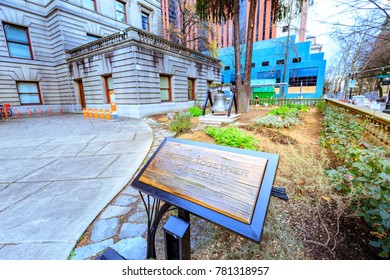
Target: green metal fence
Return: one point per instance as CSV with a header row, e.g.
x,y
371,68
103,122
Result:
x,y
281,101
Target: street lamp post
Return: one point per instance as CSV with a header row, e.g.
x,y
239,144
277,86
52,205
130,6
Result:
x,y
387,108
351,76
350,93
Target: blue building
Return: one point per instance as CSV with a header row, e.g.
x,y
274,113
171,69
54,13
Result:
x,y
305,72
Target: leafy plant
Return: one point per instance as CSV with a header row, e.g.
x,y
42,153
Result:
x,y
284,111
364,174
341,132
277,121
321,106
300,107
232,137
195,111
181,122
367,179
288,110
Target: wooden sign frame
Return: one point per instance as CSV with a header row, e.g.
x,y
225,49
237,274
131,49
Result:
x,y
249,224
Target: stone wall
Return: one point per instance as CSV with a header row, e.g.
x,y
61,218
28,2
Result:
x,y
53,28
136,68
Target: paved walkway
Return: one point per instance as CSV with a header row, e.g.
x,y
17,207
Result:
x,y
56,175
122,225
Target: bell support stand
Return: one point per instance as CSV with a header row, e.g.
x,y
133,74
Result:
x,y
208,98
233,100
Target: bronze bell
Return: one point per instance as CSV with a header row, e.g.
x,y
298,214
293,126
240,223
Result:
x,y
220,103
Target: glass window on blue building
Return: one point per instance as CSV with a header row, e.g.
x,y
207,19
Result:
x,y
303,76
296,59
269,75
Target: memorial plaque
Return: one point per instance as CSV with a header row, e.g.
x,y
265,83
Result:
x,y
225,182
228,186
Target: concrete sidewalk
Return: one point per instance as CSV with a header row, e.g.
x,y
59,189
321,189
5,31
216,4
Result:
x,y
56,175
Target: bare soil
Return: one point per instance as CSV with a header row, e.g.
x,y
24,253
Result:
x,y
320,222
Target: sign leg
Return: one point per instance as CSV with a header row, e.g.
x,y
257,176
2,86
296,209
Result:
x,y
177,237
154,212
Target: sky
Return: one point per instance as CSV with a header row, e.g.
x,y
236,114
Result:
x,y
324,13
320,17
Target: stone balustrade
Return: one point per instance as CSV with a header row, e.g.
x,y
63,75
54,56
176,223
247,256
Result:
x,y
132,33
378,123
98,44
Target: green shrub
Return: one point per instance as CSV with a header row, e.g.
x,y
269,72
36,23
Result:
x,y
277,121
181,122
284,111
288,110
321,106
366,179
300,107
232,137
341,131
364,174
195,111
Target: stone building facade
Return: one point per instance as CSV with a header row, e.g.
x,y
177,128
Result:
x,y
77,53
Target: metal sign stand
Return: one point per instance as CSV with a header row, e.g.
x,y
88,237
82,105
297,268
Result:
x,y
177,237
187,176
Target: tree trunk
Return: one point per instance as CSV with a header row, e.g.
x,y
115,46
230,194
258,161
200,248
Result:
x,y
183,29
237,53
245,98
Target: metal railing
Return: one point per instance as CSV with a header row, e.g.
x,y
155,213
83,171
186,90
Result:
x,y
136,34
378,124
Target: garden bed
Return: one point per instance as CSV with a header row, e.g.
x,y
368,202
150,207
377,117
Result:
x,y
316,223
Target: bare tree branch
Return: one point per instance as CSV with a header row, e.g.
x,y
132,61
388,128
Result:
x,y
379,7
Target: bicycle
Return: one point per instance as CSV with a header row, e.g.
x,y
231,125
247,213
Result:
x,y
7,107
